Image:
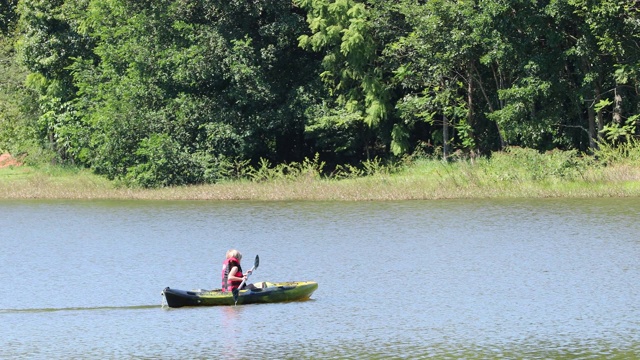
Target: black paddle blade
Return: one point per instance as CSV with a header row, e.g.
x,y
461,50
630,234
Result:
x,y
256,263
235,295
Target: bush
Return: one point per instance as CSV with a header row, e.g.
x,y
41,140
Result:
x,y
308,169
609,153
521,164
161,163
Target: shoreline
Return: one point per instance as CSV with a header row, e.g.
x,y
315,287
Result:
x,y
24,183
517,173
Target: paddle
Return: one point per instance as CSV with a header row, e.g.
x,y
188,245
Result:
x,y
236,291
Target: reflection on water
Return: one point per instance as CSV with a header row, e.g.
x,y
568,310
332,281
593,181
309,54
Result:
x,y
232,344
457,279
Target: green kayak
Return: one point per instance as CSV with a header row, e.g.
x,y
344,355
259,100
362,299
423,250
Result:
x,y
265,293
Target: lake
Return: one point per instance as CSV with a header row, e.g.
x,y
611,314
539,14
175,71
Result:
x,y
545,278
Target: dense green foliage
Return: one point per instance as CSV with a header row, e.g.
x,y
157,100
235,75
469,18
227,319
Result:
x,y
18,109
8,15
169,92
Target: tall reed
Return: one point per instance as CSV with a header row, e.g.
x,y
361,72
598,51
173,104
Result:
x,y
515,172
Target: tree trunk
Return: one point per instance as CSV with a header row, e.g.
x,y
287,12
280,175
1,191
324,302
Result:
x,y
599,121
617,106
445,137
490,105
592,126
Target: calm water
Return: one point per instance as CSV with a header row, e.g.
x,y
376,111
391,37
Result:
x,y
444,279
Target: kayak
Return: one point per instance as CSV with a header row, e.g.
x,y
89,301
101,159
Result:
x,y
266,292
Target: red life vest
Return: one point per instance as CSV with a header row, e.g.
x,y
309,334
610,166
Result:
x,y
229,285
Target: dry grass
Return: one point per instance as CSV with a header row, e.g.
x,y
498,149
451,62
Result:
x,y
429,179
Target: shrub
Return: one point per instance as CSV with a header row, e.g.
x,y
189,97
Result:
x,y
522,164
609,153
161,163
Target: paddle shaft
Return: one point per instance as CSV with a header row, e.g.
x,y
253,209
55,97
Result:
x,y
244,280
236,291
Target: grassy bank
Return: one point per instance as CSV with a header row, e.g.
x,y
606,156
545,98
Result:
x,y
516,173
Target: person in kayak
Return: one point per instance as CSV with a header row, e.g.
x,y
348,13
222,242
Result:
x,y
232,275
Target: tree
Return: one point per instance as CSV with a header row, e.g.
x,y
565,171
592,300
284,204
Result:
x,y
48,45
211,81
614,32
352,36
17,110
434,69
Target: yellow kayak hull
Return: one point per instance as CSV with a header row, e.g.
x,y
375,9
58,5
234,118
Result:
x,y
271,293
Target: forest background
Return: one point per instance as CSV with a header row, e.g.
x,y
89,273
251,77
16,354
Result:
x,y
156,93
